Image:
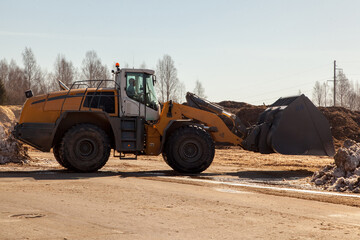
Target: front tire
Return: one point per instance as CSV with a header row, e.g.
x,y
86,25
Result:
x,y
85,147
190,149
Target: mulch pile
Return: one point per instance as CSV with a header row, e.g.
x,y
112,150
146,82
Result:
x,y
11,150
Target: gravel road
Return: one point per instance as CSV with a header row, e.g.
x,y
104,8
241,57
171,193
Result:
x,y
144,199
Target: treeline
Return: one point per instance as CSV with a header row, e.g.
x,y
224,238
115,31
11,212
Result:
x,y
347,93
15,79
168,86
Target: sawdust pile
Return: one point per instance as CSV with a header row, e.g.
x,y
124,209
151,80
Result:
x,y
11,150
344,175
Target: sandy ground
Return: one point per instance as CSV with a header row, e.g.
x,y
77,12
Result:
x,y
243,195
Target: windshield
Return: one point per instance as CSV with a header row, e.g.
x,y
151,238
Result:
x,y
135,89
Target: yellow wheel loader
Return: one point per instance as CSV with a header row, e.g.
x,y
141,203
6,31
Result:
x,y
84,122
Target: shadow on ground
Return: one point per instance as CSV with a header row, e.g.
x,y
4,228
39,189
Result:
x,y
272,175
68,175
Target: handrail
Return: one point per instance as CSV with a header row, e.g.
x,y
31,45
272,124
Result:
x,y
84,82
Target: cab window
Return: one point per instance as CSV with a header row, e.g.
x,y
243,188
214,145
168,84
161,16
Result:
x,y
134,86
135,89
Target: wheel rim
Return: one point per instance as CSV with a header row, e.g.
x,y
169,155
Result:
x,y
85,148
190,151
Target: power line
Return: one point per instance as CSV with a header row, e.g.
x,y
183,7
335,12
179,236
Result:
x,y
286,76
273,99
297,86
280,90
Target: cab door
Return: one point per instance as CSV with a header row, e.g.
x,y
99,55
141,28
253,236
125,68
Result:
x,y
136,101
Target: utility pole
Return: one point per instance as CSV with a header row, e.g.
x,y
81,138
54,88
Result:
x,y
334,80
325,85
334,83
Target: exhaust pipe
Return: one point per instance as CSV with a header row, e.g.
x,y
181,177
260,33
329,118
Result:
x,y
63,86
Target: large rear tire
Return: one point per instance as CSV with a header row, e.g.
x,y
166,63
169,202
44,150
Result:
x,y
190,149
57,155
85,147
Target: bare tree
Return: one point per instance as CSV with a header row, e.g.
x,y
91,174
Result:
x,y
318,93
357,92
31,69
143,65
326,93
64,71
92,68
199,89
2,92
16,84
167,79
45,82
342,88
36,80
180,93
351,100
4,70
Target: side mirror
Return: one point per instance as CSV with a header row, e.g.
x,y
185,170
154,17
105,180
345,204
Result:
x,y
154,79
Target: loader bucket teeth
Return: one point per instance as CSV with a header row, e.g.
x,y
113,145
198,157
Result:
x,y
291,126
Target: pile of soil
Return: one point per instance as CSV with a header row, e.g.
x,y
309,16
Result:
x,y
248,114
229,105
345,124
11,150
344,175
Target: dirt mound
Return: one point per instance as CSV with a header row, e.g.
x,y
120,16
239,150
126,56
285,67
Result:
x,y
344,175
345,124
11,150
248,114
233,104
7,117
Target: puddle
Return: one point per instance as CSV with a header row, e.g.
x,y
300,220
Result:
x,y
227,190
263,186
27,215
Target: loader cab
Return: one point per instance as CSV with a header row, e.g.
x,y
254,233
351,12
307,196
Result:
x,y
137,94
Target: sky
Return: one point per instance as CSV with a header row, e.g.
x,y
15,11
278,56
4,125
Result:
x,y
252,51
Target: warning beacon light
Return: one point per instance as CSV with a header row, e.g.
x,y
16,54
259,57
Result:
x,y
117,65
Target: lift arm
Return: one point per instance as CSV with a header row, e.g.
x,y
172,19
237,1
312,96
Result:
x,y
219,131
